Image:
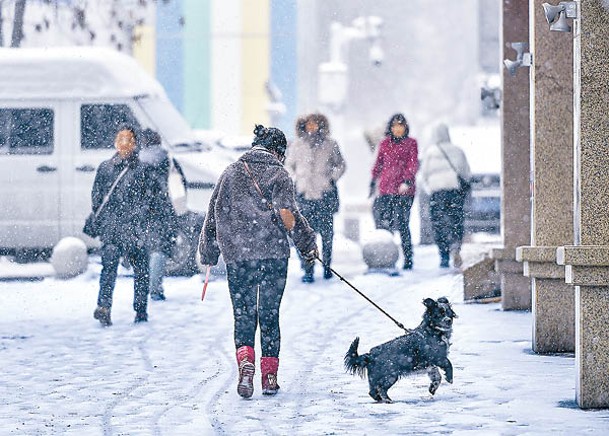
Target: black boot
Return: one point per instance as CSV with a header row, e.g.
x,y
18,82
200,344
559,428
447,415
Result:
x,y
102,314
308,275
140,317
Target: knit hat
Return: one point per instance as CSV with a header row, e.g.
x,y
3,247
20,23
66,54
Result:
x,y
270,138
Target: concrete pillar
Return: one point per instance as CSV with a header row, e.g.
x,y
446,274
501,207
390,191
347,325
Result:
x,y
587,263
515,205
552,175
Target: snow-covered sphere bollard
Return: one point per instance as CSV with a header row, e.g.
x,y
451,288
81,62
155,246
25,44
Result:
x,y
379,250
69,257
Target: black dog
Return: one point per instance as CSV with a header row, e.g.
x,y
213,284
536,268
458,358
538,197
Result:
x,y
426,347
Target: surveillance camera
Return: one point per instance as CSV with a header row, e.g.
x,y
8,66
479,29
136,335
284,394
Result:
x,y
556,16
376,55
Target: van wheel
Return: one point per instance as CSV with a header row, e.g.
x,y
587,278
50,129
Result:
x,y
182,261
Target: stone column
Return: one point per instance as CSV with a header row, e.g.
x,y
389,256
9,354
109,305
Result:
x,y
552,175
515,205
587,263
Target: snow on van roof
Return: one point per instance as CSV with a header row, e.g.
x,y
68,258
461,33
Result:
x,y
72,72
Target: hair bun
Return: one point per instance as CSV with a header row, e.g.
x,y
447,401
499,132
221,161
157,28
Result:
x,y
260,131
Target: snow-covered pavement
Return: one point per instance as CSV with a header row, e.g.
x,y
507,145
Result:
x,y
61,373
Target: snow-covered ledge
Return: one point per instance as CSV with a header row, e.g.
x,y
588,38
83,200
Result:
x,y
515,287
585,265
540,262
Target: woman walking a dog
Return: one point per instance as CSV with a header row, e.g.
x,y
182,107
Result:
x,y
394,173
251,213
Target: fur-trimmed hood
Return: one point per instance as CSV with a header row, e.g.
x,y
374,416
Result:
x,y
319,119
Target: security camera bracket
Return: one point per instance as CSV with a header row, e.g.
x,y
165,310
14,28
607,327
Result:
x,y
570,9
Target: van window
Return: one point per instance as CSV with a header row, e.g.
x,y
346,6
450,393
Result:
x,y
26,131
99,123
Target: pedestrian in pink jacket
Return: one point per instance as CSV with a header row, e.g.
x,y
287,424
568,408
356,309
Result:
x,y
394,174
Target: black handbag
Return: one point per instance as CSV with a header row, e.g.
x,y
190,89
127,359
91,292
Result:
x,y
465,186
91,227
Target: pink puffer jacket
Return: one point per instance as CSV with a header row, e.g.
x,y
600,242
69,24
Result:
x,y
396,163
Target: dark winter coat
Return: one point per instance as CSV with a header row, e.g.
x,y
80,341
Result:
x,y
239,223
162,232
396,163
138,201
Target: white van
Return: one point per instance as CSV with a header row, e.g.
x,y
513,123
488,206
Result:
x,y
59,111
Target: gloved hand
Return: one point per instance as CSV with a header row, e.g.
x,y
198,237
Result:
x,y
310,257
203,261
404,187
372,189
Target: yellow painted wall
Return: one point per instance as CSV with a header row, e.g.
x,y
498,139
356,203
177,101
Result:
x,y
144,49
255,67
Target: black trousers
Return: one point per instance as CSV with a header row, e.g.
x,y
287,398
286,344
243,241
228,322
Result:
x,y
139,260
321,220
392,212
446,213
256,289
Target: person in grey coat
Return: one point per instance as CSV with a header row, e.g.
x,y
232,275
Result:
x,y
251,213
315,162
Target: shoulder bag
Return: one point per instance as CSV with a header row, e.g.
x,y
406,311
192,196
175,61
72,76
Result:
x,y
465,186
287,221
91,227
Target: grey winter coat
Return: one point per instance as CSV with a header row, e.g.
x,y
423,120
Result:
x,y
314,166
239,223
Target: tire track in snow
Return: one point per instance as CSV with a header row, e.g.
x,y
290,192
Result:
x,y
152,379
213,361
213,408
107,426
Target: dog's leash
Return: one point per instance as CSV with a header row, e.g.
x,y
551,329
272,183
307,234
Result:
x,y
399,324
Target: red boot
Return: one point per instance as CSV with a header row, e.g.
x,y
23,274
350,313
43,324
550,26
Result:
x,y
246,359
268,367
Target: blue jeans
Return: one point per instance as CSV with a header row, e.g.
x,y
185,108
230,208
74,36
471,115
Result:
x,y
157,271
